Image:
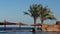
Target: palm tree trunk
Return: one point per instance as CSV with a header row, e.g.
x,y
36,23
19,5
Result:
x,y
34,24
42,20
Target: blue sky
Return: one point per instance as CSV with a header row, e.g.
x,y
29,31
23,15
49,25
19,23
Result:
x,y
12,10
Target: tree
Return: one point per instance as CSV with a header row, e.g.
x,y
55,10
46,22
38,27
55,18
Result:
x,y
34,12
37,10
46,14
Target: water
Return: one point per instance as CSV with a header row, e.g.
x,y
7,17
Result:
x,y
17,28
24,28
29,33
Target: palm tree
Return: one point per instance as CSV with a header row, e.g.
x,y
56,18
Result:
x,y
34,12
46,14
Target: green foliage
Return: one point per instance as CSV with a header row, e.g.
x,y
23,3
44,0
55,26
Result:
x,y
37,10
47,14
34,10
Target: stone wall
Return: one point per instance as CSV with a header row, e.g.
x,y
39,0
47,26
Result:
x,y
46,27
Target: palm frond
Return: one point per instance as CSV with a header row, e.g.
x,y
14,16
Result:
x,y
51,17
47,14
26,13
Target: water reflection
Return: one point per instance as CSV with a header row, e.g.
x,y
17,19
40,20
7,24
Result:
x,y
30,32
36,32
46,33
54,32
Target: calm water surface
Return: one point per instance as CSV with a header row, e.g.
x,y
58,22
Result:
x,y
29,33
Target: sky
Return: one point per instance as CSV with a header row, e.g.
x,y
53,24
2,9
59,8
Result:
x,y
13,10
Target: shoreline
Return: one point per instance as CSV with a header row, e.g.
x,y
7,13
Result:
x,y
19,31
